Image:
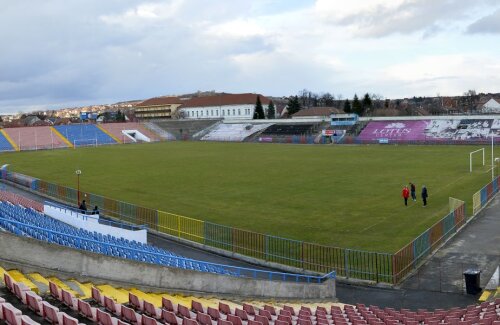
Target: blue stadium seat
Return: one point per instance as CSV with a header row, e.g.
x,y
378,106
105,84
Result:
x,y
84,134
28,222
5,144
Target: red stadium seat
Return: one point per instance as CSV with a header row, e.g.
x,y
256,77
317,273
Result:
x,y
270,309
68,320
96,295
103,318
168,317
148,320
234,319
280,322
134,301
130,316
25,320
151,310
85,310
289,309
8,281
111,306
203,319
69,300
51,313
187,321
11,315
167,304
285,318
265,313
183,311
241,314
197,307
20,290
224,308
249,309
223,322
214,313
34,302
262,319
252,322
54,291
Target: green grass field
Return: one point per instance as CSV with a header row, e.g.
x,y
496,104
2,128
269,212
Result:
x,y
347,196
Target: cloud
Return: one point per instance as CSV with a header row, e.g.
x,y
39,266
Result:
x,y
487,24
378,18
91,51
444,74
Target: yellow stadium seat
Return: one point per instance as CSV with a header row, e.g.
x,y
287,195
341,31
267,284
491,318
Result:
x,y
19,277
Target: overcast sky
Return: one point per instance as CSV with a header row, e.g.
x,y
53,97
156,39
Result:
x,y
58,53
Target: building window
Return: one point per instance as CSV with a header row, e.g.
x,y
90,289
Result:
x,y
201,113
217,112
228,112
234,111
239,111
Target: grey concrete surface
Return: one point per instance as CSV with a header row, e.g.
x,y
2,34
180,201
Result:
x,y
33,253
476,246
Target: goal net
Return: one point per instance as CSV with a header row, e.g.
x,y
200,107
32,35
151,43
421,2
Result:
x,y
85,143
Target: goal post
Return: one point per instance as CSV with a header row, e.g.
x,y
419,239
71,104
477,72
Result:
x,y
470,158
85,143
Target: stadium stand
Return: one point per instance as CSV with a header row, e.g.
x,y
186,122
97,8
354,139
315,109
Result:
x,y
109,305
290,129
159,131
184,129
84,134
5,144
233,132
116,130
28,222
35,138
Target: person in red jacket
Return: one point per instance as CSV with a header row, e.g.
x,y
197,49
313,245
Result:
x,y
406,194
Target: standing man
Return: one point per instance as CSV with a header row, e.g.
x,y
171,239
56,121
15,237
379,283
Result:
x,y
413,192
406,194
424,195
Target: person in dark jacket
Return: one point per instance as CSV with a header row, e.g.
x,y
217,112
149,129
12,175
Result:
x,y
413,191
96,210
83,207
425,195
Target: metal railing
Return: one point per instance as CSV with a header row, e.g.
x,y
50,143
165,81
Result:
x,y
350,263
229,270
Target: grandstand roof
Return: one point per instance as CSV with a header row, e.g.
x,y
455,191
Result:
x,y
157,101
225,99
317,111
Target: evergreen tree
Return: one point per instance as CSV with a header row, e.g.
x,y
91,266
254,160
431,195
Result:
x,y
259,111
347,106
367,103
293,105
356,106
271,111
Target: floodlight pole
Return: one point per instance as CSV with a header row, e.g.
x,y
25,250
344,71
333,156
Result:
x,y
78,173
492,160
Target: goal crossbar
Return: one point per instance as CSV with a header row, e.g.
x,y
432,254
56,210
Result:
x,y
470,158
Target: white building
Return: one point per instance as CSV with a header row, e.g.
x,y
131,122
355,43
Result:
x,y
491,106
223,106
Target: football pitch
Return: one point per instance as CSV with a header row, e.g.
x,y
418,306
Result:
x,y
346,196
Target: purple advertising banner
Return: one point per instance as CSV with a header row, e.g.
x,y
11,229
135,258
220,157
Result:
x,y
435,130
395,130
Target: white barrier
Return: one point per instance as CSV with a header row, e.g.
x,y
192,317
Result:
x,y
91,223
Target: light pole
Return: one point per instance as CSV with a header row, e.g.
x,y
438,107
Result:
x,y
78,173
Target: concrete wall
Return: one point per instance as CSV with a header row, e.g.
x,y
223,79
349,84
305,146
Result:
x,y
34,254
91,223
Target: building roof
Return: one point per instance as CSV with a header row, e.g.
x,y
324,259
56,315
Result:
x,y
317,111
159,101
224,99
